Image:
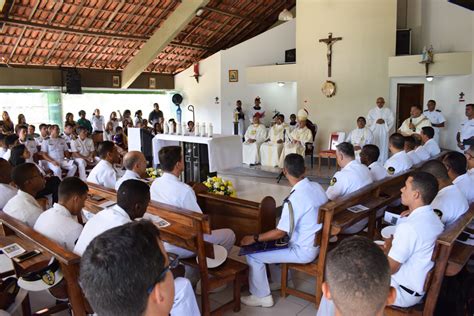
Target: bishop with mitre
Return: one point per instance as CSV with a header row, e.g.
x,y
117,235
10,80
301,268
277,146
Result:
x,y
298,138
270,150
255,135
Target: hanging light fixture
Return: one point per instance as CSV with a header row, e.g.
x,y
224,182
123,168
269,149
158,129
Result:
x,y
281,83
429,78
285,15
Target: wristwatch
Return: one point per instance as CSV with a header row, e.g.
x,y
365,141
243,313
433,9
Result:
x,y
255,237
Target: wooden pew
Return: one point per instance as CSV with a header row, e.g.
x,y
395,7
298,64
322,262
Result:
x,y
449,257
16,231
186,230
242,216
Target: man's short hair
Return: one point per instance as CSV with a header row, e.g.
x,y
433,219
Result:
x,y
72,186
132,192
69,124
397,140
361,118
294,165
119,267
426,184
347,149
372,152
22,126
169,157
358,276
456,162
42,125
281,117
433,101
32,126
80,128
436,168
410,142
10,140
428,131
470,105
131,159
82,112
104,148
22,173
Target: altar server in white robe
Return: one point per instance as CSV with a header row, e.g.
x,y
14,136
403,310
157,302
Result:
x,y
298,138
360,136
270,151
380,121
414,123
254,137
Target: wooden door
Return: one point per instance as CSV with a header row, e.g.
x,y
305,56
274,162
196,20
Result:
x,y
408,94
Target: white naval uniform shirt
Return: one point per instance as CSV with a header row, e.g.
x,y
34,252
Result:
x,y
168,189
6,193
465,183
7,154
59,225
435,117
109,218
412,246
467,130
422,153
3,151
470,172
351,178
32,148
377,171
306,198
40,139
451,202
432,147
83,147
24,208
415,159
68,138
399,162
128,175
97,123
103,174
55,148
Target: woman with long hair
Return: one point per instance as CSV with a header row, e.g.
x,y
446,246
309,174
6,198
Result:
x,y
157,129
8,126
114,120
126,118
138,118
109,131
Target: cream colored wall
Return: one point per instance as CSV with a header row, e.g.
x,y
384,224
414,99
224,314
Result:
x,y
360,68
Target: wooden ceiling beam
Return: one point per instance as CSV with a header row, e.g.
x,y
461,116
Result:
x,y
53,49
55,12
161,17
33,50
145,18
33,11
132,50
96,14
114,14
86,51
99,54
71,50
238,16
78,10
16,44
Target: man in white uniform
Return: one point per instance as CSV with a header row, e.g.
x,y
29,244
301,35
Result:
x,y
450,203
456,164
466,133
420,151
410,145
360,136
399,161
59,223
380,121
431,146
414,123
352,177
411,247
470,161
44,134
298,221
23,206
170,190
83,152
436,118
298,138
104,172
128,243
135,163
270,150
6,190
68,134
29,144
254,137
54,151
369,156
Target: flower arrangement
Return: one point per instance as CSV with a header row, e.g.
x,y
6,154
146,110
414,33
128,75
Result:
x,y
154,173
219,186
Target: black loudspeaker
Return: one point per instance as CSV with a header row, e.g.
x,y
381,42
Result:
x,y
73,82
290,56
403,42
196,162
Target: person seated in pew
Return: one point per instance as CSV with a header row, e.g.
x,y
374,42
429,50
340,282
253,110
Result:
x,y
30,144
360,136
356,265
431,146
420,150
399,161
10,141
54,151
7,191
135,163
414,123
369,156
270,150
450,203
410,144
456,163
104,172
170,190
254,137
23,206
410,249
299,220
470,161
298,138
83,152
59,223
126,271
352,177
3,146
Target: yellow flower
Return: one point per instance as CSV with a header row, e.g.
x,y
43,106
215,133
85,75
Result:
x,y
233,194
222,188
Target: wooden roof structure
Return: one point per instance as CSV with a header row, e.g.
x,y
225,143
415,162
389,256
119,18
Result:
x,y
107,34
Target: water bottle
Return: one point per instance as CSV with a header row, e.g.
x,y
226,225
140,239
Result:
x,y
196,129
167,128
183,129
178,129
210,130
203,130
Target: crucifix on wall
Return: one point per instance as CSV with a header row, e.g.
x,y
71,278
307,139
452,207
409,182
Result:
x,y
329,42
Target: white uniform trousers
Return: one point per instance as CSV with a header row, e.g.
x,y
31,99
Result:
x,y
64,164
258,280
270,154
250,153
404,299
184,299
82,165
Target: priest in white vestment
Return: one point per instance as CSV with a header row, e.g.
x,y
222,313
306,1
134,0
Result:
x,y
360,136
270,150
380,121
255,135
298,138
414,123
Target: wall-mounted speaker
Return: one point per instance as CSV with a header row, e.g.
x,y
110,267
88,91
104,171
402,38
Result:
x,y
403,46
73,81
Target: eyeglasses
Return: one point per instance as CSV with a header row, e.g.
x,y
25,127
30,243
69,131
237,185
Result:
x,y
174,261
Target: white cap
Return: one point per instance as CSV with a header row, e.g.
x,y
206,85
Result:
x,y
302,115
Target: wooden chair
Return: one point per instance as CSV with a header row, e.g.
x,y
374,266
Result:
x,y
309,147
331,152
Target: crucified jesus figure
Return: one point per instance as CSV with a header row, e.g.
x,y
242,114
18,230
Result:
x,y
329,42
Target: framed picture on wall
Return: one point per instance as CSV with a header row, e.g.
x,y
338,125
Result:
x,y
233,75
152,83
116,81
